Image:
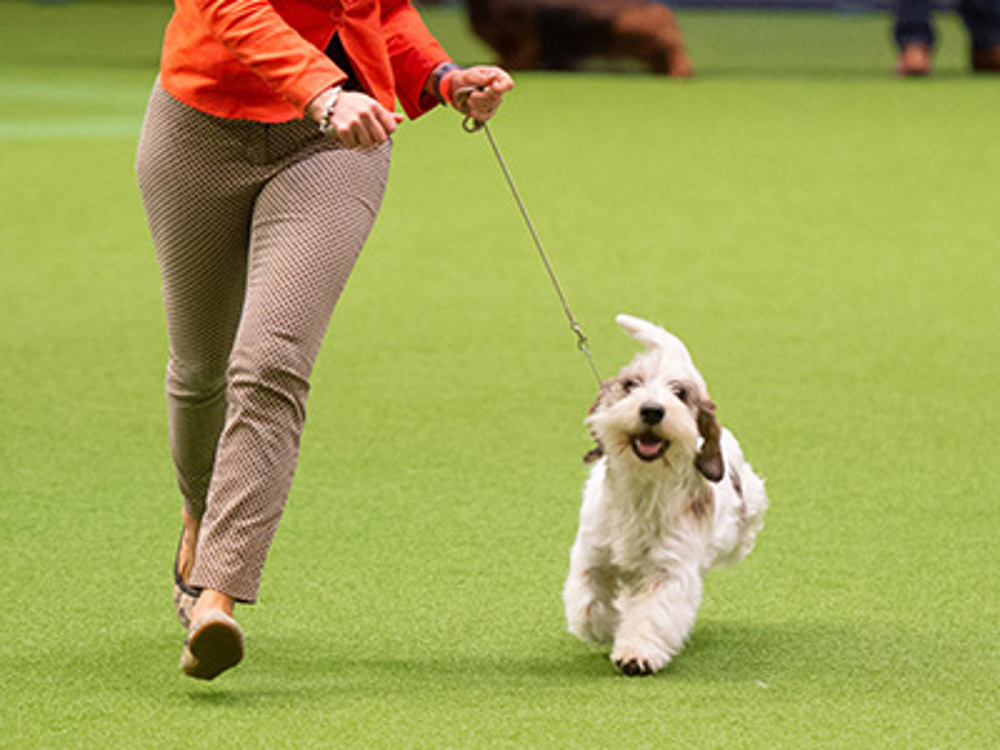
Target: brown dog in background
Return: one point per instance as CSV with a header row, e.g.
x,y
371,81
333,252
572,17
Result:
x,y
561,34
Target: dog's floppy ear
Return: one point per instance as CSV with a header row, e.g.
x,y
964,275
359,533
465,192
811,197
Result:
x,y
709,459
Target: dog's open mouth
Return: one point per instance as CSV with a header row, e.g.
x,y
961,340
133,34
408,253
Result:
x,y
648,447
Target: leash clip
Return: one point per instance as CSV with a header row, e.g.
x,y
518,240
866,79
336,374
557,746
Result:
x,y
583,344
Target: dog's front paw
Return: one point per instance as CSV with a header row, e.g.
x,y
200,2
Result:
x,y
634,668
632,662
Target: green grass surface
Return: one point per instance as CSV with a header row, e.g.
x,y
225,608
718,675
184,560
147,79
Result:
x,y
823,237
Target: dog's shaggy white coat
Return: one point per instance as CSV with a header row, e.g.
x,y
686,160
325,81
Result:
x,y
670,497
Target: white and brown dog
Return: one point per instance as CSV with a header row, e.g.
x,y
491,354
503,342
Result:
x,y
669,497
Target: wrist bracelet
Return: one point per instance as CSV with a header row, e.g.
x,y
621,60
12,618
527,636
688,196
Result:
x,y
440,74
326,122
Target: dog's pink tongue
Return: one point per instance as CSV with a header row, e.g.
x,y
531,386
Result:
x,y
649,448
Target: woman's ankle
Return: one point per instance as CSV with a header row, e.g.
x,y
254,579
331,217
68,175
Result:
x,y
189,544
212,600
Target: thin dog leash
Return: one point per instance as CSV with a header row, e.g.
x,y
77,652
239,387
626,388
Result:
x,y
471,125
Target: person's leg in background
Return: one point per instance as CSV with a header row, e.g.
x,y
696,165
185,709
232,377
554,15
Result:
x,y
914,36
982,19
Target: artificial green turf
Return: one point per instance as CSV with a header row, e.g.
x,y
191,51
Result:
x,y
822,235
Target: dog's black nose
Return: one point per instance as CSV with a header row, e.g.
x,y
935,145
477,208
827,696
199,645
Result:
x,y
651,413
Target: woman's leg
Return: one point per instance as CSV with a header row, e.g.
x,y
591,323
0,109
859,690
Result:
x,y
309,224
198,194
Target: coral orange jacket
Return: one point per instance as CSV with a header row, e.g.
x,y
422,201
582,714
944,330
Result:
x,y
263,59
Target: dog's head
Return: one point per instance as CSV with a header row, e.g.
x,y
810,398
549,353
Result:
x,y
657,410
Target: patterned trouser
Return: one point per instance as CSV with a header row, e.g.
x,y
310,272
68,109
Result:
x,y
256,228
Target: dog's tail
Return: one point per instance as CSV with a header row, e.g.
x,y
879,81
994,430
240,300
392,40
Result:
x,y
654,337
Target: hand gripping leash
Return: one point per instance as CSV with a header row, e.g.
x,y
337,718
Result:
x,y
471,125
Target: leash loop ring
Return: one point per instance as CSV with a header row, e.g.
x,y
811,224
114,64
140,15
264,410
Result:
x,y
470,124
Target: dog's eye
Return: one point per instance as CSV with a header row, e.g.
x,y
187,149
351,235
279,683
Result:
x,y
681,392
629,385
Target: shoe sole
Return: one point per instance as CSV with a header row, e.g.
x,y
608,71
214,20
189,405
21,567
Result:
x,y
211,649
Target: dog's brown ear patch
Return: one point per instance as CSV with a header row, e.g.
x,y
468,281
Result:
x,y
597,452
606,386
709,459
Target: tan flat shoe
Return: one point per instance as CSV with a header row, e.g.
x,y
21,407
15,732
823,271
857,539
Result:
x,y
185,597
214,644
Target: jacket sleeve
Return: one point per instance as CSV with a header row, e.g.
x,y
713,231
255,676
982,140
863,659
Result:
x,y
289,62
413,54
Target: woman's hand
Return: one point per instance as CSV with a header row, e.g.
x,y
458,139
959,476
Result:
x,y
486,85
358,120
